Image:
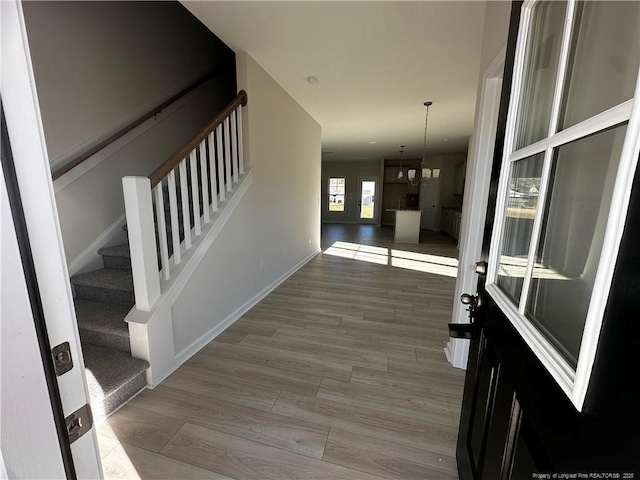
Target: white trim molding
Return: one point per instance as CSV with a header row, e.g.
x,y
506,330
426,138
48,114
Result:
x,y
476,195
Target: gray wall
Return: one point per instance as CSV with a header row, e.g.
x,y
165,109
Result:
x,y
351,171
100,65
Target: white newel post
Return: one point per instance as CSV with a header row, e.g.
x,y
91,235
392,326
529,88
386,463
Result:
x,y
138,206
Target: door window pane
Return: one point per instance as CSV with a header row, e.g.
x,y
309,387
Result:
x,y
541,67
571,239
522,203
604,59
367,199
540,70
336,194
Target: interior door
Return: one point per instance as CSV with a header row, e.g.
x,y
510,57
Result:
x,y
368,199
551,385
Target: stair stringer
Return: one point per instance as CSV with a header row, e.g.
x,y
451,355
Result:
x,y
151,333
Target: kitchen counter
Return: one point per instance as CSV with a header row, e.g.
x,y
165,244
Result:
x,y
407,225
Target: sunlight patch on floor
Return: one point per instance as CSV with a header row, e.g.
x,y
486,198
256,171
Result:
x,y
420,262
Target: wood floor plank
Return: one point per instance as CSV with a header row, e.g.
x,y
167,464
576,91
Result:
x,y
289,434
369,422
431,368
447,387
269,377
256,327
355,344
243,459
127,462
140,428
230,337
296,343
209,383
284,360
424,408
387,459
392,338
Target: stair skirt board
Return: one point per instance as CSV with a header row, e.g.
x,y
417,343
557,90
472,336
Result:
x,y
89,258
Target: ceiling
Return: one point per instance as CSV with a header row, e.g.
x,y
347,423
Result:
x,y
376,62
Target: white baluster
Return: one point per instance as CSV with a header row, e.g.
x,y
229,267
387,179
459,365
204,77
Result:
x,y
195,197
162,232
138,204
227,154
184,197
205,183
213,177
234,146
220,160
240,144
175,224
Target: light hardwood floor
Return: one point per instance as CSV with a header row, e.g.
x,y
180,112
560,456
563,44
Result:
x,y
338,373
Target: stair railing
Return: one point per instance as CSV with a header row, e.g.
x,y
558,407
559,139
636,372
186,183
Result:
x,y
167,210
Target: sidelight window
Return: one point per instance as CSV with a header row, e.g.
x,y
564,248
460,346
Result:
x,y
570,154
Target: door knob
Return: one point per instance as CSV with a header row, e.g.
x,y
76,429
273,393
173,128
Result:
x,y
480,268
466,330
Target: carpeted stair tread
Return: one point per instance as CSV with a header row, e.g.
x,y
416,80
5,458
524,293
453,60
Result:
x,y
116,256
113,377
110,278
103,324
116,251
110,285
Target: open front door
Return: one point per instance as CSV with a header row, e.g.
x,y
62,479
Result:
x,y
552,380
34,451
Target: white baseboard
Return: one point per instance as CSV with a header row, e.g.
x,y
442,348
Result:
x,y
89,259
196,346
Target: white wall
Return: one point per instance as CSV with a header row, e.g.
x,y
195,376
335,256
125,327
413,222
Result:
x,y
350,171
277,221
100,65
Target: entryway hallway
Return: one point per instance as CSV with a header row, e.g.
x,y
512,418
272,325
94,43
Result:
x,y
338,373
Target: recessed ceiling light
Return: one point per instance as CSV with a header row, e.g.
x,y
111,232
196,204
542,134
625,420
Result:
x,y
372,143
312,80
445,139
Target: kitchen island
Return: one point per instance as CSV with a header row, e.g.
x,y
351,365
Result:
x,y
407,225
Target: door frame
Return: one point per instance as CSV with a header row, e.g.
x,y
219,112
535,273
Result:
x,y
376,203
33,174
476,196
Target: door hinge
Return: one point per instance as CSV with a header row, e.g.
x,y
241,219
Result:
x,y
79,422
62,360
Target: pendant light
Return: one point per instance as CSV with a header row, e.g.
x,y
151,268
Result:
x,y
427,173
400,173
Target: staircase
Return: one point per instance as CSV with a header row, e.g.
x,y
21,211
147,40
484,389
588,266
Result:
x,y
102,299
168,213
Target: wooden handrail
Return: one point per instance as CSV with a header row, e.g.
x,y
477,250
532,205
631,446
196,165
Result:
x,y
164,169
93,150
